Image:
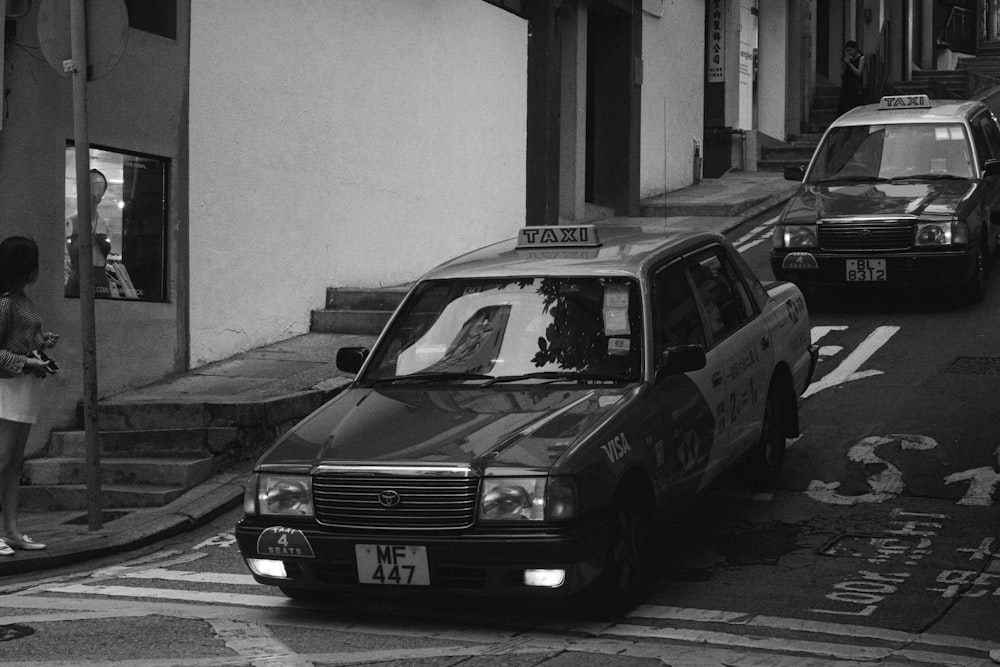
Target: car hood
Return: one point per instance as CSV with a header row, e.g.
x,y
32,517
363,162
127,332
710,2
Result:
x,y
529,428
916,198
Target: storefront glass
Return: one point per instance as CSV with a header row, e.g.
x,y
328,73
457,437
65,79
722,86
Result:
x,y
128,218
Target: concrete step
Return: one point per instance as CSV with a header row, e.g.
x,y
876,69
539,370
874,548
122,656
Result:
x,y
799,153
166,442
185,473
361,322
70,497
357,310
348,298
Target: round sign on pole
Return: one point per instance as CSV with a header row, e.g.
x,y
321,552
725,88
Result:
x,y
107,35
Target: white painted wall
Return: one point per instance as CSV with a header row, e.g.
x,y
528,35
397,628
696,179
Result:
x,y
343,143
673,92
772,69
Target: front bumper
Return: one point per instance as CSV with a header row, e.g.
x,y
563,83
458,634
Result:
x,y
468,562
952,267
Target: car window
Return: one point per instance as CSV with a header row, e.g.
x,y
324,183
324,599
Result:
x,y
724,298
676,320
986,137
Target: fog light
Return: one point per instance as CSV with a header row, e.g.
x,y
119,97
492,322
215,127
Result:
x,y
265,567
545,578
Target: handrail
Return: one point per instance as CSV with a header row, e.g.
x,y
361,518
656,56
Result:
x,y
959,32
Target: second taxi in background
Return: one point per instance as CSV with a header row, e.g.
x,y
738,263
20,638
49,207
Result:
x,y
904,192
531,414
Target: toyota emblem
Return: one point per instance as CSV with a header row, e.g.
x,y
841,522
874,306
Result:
x,y
865,233
388,498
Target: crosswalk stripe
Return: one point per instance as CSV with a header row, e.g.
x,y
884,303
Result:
x,y
171,594
193,577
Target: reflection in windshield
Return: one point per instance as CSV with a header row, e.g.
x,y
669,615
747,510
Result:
x,y
516,327
884,152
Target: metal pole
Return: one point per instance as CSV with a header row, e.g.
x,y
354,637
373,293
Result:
x,y
84,250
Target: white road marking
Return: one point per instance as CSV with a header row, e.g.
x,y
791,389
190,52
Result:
x,y
755,236
848,371
255,642
617,639
171,594
193,577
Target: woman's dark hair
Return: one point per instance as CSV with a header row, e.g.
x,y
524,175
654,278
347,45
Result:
x,y
850,44
18,260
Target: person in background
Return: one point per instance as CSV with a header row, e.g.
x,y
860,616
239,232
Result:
x,y
102,241
22,367
852,78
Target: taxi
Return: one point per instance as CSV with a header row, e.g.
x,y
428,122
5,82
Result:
x,y
529,415
902,192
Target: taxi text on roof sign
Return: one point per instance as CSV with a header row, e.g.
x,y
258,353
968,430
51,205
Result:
x,y
904,102
576,236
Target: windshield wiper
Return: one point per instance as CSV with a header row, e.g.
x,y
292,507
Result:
x,y
852,179
929,177
557,375
434,377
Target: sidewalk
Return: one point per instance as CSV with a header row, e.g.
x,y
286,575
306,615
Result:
x,y
297,368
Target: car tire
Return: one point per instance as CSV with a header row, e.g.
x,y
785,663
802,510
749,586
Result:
x,y
768,456
975,289
629,555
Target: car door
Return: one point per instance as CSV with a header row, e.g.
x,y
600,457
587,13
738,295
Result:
x,y
687,402
986,138
739,347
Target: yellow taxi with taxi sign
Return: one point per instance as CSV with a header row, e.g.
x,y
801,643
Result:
x,y
902,192
530,413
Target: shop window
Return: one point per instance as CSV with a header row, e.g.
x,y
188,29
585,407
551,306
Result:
x,y
156,16
128,218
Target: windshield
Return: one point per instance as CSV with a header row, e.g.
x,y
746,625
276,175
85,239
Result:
x,y
885,152
581,329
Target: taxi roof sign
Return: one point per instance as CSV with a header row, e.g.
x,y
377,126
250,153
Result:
x,y
558,236
890,102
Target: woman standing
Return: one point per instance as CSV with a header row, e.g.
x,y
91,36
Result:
x,y
852,78
21,370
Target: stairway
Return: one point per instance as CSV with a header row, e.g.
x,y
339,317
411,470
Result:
x,y
152,452
776,155
357,310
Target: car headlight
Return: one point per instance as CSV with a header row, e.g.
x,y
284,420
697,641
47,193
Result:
x,y
527,499
941,233
284,495
795,236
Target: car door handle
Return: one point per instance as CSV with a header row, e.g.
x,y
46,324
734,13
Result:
x,y
716,378
765,342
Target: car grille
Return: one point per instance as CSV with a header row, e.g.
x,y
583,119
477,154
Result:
x,y
423,501
860,235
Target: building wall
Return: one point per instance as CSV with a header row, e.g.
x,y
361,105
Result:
x,y
347,143
673,91
772,68
137,107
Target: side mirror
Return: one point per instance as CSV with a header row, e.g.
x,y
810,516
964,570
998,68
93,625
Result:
x,y
350,359
681,359
991,167
796,173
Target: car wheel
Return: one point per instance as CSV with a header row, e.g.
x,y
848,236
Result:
x,y
768,456
975,289
629,552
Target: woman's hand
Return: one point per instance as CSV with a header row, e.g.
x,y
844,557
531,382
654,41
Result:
x,y
35,367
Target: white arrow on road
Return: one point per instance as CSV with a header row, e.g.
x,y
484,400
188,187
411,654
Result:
x,y
848,371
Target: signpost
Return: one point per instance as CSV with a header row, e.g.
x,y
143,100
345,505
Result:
x,y
107,28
